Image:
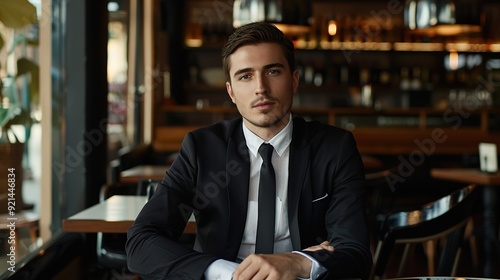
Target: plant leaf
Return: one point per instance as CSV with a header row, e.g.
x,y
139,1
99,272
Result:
x,y
10,115
9,90
21,117
32,42
35,86
17,13
25,66
2,42
5,115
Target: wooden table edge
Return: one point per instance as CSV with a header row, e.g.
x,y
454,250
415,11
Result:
x,y
478,177
89,226
94,226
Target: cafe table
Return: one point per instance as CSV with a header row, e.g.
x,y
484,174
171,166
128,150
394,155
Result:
x,y
113,215
371,163
490,183
139,172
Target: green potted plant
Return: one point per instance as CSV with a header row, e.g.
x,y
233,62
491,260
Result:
x,y
18,91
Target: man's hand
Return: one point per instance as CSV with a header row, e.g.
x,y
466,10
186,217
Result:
x,y
278,266
273,267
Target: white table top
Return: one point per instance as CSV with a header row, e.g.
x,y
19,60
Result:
x,y
114,215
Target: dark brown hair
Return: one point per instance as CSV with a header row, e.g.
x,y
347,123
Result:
x,y
256,33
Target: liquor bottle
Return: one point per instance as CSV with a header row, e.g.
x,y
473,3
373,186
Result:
x,y
416,83
404,82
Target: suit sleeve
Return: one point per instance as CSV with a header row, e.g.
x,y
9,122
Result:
x,y
153,250
345,219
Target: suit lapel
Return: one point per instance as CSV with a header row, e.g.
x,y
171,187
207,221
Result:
x,y
238,174
298,168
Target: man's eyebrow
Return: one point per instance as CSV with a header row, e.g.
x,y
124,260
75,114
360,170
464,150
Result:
x,y
269,66
242,71
274,65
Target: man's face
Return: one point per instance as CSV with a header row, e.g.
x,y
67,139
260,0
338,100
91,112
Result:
x,y
262,87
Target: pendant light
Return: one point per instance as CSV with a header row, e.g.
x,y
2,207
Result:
x,y
443,17
292,16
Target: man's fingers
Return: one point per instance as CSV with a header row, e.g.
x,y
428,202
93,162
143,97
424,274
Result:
x,y
325,245
247,269
286,266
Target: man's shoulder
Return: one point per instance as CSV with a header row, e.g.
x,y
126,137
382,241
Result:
x,y
317,128
222,129
322,137
221,125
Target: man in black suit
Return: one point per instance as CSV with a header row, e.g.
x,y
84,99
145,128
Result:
x,y
320,227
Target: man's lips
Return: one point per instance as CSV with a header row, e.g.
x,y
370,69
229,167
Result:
x,y
263,105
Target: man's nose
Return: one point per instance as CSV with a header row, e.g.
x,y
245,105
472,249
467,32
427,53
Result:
x,y
261,86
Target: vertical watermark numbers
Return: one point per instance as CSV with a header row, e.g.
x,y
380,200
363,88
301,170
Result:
x,y
11,218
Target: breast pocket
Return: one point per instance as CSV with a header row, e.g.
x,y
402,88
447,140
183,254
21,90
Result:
x,y
319,208
320,205
319,199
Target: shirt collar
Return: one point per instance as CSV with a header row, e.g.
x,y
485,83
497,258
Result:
x,y
280,141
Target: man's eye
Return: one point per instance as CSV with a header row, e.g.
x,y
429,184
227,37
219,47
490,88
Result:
x,y
273,72
244,77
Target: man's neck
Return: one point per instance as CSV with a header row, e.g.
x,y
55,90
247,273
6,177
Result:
x,y
267,133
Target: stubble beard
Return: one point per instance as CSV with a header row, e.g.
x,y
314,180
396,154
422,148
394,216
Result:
x,y
272,121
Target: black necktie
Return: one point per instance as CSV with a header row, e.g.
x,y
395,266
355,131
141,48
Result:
x,y
267,199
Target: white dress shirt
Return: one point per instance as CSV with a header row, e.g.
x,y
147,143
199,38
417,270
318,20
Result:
x,y
222,269
280,161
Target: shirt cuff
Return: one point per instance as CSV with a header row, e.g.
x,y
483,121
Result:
x,y
220,270
316,269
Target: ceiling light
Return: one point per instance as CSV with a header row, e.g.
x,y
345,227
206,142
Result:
x,y
292,17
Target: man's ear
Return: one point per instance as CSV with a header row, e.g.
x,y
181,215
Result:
x,y
295,80
230,91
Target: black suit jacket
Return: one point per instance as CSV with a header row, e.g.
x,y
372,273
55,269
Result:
x,y
210,177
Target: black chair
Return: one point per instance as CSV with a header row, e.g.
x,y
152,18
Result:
x,y
381,195
111,246
446,217
380,200
147,187
140,154
129,157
